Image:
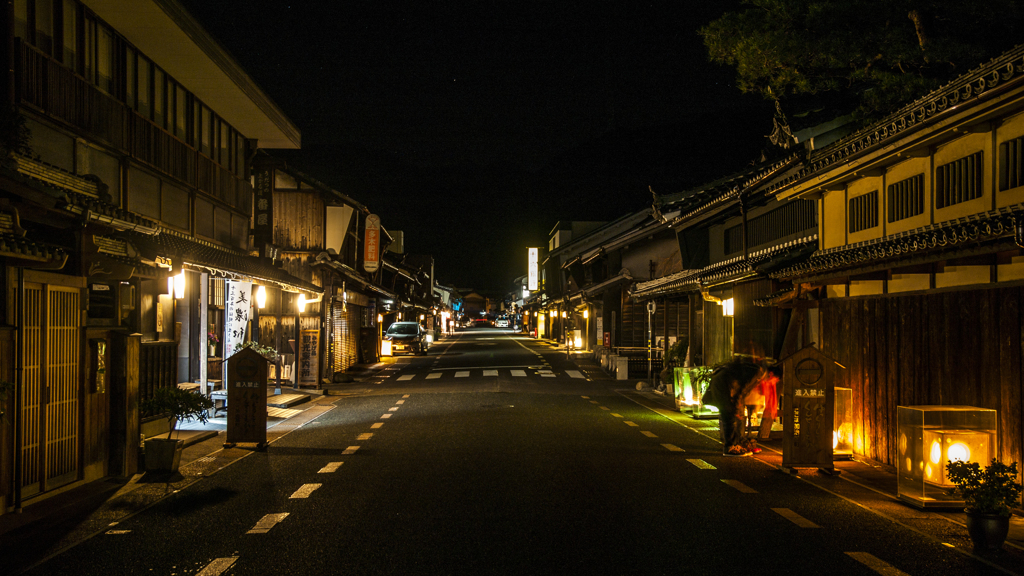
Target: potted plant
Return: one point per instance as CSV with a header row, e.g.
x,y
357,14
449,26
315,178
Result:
x,y
989,494
176,405
212,341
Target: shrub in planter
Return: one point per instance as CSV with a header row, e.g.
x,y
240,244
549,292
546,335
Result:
x,y
988,494
176,405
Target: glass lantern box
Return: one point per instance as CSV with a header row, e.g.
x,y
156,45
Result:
x,y
930,436
842,424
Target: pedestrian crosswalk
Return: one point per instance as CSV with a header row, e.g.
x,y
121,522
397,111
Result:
x,y
488,373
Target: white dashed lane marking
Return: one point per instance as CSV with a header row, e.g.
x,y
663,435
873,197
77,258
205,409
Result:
x,y
433,375
267,522
400,402
376,425
628,423
575,374
407,377
875,564
117,532
393,409
616,415
740,486
304,491
350,450
218,566
490,372
700,464
365,436
406,396
673,448
604,408
648,434
585,397
331,467
462,374
519,373
388,415
795,518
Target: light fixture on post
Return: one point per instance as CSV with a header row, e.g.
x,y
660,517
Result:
x,y
261,297
179,285
302,303
728,307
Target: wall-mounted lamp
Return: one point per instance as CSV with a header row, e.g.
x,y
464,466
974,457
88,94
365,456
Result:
x,y
586,314
176,285
303,301
380,318
422,317
261,297
551,313
563,313
728,307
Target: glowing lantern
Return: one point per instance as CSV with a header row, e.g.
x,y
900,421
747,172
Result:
x,y
928,437
842,424
261,297
385,348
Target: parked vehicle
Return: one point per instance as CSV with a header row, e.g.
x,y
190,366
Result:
x,y
404,338
482,323
501,323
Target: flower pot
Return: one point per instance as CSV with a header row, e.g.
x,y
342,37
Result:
x,y
163,455
987,531
213,350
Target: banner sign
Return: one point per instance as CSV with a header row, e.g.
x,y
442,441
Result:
x,y
533,272
263,207
371,244
237,307
309,360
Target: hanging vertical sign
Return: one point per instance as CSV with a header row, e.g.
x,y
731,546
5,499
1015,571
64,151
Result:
x,y
237,307
534,255
309,361
371,244
263,208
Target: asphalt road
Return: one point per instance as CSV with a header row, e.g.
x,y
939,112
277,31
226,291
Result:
x,y
495,455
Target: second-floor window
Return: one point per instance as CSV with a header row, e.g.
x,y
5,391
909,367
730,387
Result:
x,y
959,181
1011,164
863,211
905,198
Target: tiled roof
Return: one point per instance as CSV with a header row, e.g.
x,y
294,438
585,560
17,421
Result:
x,y
14,246
974,229
197,253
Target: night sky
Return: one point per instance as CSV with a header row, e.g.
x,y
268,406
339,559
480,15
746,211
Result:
x,y
475,126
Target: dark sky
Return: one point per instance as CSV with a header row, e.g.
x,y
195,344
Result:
x,y
475,126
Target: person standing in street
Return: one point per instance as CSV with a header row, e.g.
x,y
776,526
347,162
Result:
x,y
729,386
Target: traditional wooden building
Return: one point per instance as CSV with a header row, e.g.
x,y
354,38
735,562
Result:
x,y
135,172
917,281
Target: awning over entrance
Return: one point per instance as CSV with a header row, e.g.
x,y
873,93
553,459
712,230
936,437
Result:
x,y
201,255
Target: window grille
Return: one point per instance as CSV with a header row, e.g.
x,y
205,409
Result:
x,y
863,212
1011,164
959,181
906,198
786,220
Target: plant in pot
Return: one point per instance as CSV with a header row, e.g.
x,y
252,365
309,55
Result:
x,y
211,342
989,494
175,404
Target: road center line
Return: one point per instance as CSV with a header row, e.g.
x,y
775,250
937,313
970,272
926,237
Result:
x,y
648,434
795,518
628,423
304,491
400,402
376,425
218,566
350,450
388,415
875,564
740,486
393,409
267,522
673,448
331,467
616,415
700,464
365,436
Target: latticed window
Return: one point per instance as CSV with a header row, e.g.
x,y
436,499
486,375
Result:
x,y
863,211
959,181
790,218
906,198
1011,164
